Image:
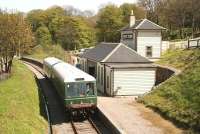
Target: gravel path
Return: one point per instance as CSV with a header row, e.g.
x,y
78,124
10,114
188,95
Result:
x,y
134,118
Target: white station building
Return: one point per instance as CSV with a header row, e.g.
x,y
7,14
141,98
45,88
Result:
x,y
126,68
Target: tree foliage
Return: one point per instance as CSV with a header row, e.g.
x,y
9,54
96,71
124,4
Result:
x,y
43,36
112,18
126,9
75,34
36,18
181,18
62,25
108,23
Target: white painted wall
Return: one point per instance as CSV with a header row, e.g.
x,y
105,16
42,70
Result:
x,y
100,85
133,81
149,38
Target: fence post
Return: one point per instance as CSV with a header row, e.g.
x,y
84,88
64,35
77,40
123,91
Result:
x,y
188,43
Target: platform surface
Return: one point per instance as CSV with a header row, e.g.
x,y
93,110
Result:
x,y
129,117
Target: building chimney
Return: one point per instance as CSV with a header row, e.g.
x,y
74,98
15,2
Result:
x,y
132,19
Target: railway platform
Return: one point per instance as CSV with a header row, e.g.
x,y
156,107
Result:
x,y
129,117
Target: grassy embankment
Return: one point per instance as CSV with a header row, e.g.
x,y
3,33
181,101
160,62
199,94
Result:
x,y
178,98
41,52
20,104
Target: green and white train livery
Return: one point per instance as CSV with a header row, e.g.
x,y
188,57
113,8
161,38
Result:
x,y
76,88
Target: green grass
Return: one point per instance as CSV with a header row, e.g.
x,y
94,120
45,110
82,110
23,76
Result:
x,y
19,103
178,58
41,52
178,98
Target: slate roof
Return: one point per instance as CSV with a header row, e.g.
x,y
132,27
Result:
x,y
114,53
143,24
126,28
99,52
125,54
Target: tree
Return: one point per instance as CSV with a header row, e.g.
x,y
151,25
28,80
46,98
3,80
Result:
x,y
109,23
150,6
36,18
43,36
55,19
75,34
126,11
15,38
181,18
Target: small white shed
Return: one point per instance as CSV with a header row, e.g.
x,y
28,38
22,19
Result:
x,y
129,79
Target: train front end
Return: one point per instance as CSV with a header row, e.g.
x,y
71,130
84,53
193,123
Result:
x,y
81,96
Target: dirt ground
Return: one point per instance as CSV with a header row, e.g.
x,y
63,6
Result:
x,y
132,117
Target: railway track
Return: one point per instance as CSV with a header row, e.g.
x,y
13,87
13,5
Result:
x,y
85,125
57,116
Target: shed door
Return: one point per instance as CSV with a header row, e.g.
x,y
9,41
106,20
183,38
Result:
x,y
92,71
133,81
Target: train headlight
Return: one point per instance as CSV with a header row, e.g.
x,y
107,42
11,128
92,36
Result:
x,y
71,102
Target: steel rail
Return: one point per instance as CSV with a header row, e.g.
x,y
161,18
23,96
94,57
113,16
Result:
x,y
93,125
73,126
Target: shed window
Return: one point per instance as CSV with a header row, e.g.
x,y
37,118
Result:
x,y
149,51
108,82
101,75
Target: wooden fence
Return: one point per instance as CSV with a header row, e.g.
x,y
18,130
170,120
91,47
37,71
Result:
x,y
193,43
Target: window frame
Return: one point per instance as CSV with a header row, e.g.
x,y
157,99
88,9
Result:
x,y
149,52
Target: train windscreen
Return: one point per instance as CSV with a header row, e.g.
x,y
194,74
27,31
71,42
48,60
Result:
x,y
80,89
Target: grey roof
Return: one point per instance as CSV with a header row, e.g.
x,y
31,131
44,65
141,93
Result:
x,y
126,28
106,53
144,24
99,52
147,24
130,65
124,54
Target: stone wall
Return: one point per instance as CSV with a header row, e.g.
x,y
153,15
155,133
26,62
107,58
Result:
x,y
162,74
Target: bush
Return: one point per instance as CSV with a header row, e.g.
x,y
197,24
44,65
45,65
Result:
x,y
41,52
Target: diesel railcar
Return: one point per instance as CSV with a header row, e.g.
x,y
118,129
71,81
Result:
x,y
76,88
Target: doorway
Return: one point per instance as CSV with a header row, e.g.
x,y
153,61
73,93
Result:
x,y
91,71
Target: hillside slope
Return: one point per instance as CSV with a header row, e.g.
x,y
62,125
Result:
x,y
20,104
179,97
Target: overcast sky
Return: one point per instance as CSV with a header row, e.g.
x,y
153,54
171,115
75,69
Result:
x,y
27,5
